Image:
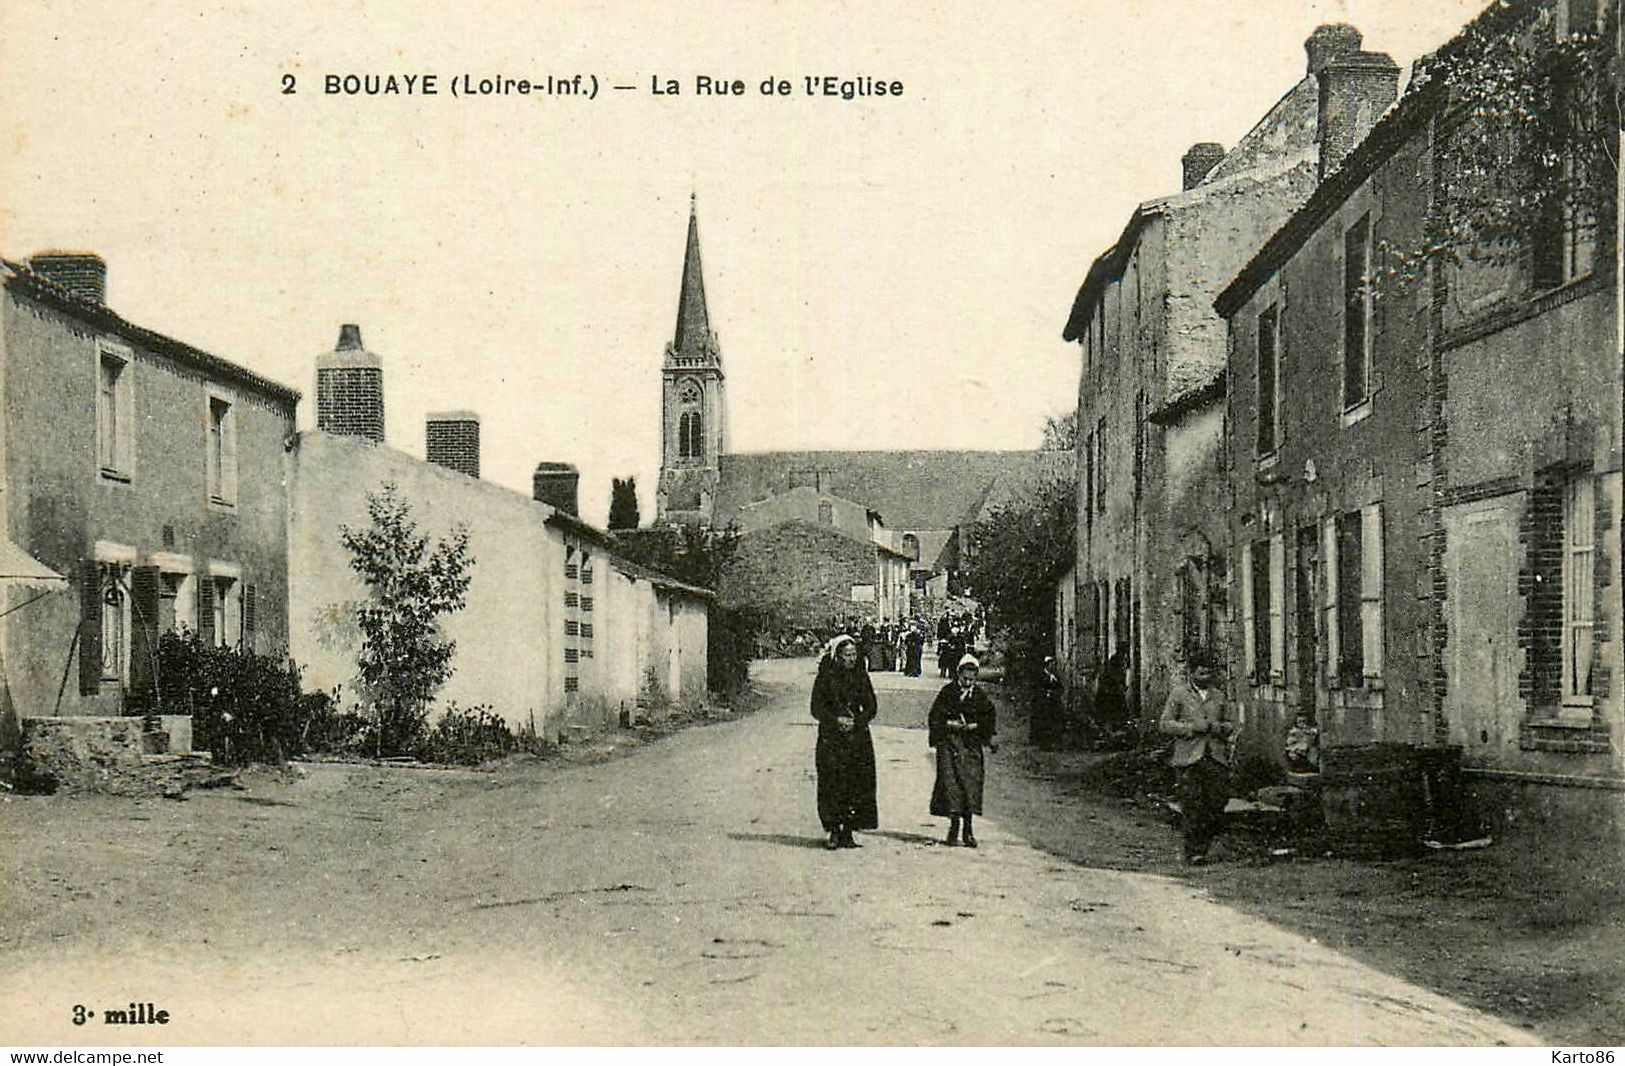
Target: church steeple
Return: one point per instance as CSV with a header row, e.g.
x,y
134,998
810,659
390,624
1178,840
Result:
x,y
693,323
694,433
693,339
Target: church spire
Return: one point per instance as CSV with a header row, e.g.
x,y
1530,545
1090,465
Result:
x,y
693,335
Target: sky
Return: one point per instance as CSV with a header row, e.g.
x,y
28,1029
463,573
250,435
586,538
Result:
x,y
882,273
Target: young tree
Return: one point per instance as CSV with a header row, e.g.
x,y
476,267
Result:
x,y
404,658
1061,432
1019,551
623,503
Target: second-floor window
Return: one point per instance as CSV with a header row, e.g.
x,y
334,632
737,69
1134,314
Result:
x,y
222,451
1564,246
1269,380
1357,313
115,415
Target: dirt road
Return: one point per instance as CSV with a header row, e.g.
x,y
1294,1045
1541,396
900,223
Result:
x,y
679,895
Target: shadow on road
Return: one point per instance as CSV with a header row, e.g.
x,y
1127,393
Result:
x,y
786,839
906,838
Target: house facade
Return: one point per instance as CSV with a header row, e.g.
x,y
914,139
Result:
x,y
1150,340
146,471
1426,467
559,631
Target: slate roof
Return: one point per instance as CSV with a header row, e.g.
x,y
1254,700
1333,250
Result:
x,y
19,278
911,490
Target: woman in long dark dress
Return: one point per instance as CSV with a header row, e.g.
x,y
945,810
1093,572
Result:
x,y
960,725
843,701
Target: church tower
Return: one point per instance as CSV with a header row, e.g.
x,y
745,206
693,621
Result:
x,y
694,414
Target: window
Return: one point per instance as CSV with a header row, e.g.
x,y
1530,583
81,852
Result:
x,y
1357,313
115,414
1260,608
1100,466
911,546
1579,521
826,512
1354,602
222,448
1565,245
1089,480
1269,384
690,424
220,613
1192,612
1576,16
1277,608
115,610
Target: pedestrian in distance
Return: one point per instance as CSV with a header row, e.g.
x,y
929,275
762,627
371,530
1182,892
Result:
x,y
959,726
843,702
1202,727
914,644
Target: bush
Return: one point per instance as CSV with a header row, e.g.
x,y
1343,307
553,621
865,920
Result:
x,y
332,730
730,646
245,707
465,737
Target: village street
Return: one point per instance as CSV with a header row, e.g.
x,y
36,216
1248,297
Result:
x,y
677,895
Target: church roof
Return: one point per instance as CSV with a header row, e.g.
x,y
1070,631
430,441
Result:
x,y
693,323
910,490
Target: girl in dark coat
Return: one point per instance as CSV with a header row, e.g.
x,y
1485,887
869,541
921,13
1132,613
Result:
x,y
960,726
843,701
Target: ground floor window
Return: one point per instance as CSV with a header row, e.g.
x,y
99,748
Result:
x,y
1579,553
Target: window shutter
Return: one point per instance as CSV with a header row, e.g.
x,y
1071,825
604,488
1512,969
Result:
x,y
228,443
1350,573
145,582
1249,647
205,609
250,616
90,627
1371,588
1277,606
1328,554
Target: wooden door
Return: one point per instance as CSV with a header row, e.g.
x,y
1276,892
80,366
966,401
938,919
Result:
x,y
1482,660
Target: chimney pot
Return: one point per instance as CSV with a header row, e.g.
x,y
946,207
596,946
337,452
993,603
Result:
x,y
1331,40
1199,161
350,389
82,274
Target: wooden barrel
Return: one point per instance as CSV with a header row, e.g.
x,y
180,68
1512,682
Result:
x,y
1374,800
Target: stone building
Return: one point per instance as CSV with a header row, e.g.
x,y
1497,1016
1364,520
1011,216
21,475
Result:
x,y
146,471
560,631
1426,466
811,559
1149,556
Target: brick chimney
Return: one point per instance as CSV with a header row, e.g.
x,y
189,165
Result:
x,y
1330,41
1356,87
84,274
555,485
452,440
350,389
1197,162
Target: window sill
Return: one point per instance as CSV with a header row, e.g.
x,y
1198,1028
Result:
x,y
1358,413
118,477
1549,291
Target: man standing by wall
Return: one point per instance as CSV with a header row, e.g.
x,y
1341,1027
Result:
x,y
1196,717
